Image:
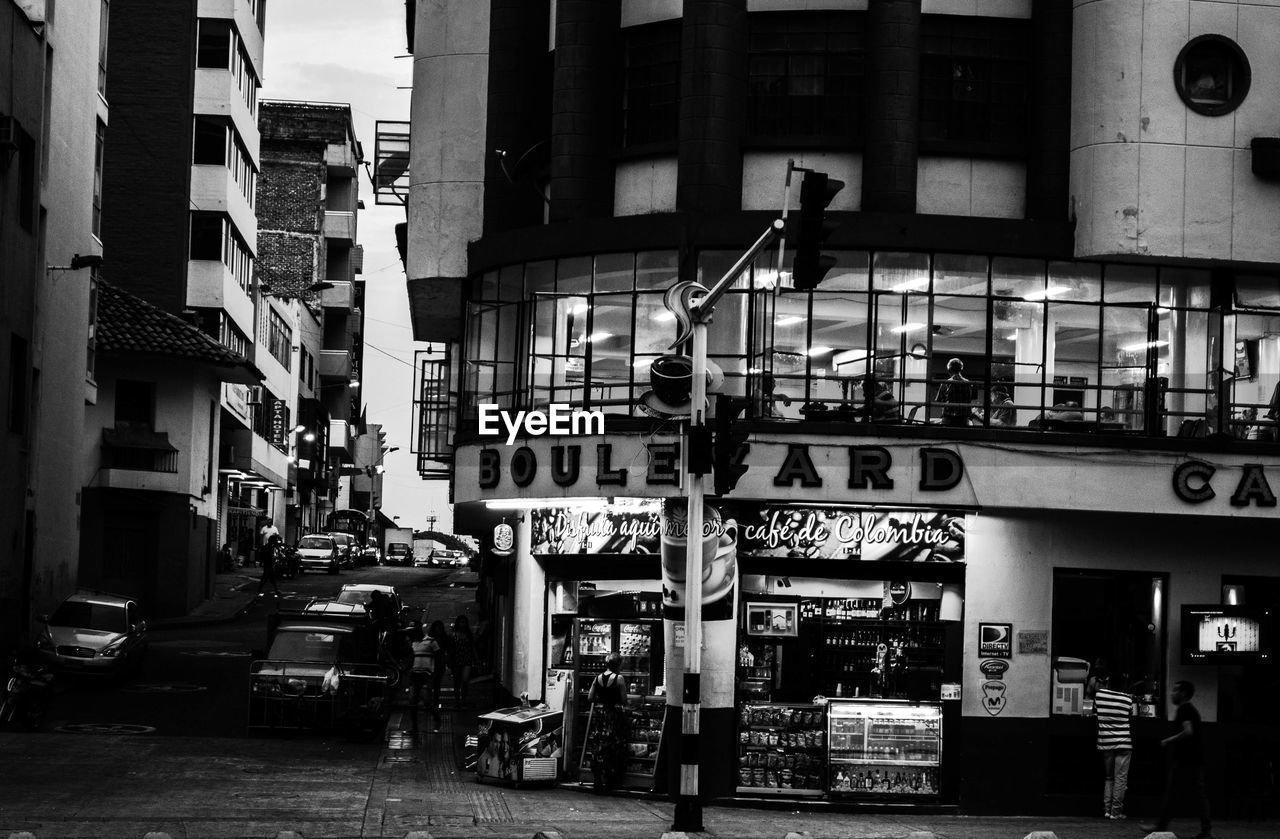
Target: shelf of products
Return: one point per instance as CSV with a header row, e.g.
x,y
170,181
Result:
x,y
884,748
781,749
644,740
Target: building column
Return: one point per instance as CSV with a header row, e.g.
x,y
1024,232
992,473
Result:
x,y
528,608
713,93
585,104
891,152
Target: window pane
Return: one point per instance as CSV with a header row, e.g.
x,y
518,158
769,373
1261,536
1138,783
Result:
x,y
851,272
1018,278
1124,364
656,269
614,272
1130,284
573,276
959,274
209,146
901,272
611,356
539,277
213,47
1072,361
1258,292
1076,281
655,326
206,236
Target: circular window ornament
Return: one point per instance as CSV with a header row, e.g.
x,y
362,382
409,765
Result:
x,y
1212,75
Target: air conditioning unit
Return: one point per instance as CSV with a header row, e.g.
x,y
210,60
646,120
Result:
x,y
255,395
9,130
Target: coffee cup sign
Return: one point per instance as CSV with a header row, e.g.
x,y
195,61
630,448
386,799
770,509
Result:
x,y
719,557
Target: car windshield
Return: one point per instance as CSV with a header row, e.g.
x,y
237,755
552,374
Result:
x,y
398,549
305,646
360,597
100,616
315,542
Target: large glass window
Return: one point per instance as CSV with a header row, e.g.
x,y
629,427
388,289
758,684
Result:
x,y
1043,346
805,74
651,83
974,74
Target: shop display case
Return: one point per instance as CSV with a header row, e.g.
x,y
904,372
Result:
x,y
644,738
884,749
639,642
782,749
867,652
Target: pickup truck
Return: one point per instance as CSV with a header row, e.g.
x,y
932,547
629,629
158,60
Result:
x,y
321,671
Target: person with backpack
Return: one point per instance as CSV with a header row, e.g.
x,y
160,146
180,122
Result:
x,y
608,697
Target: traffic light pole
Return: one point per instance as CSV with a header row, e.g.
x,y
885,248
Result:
x,y
688,808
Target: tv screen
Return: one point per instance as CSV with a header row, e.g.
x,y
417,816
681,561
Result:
x,y
1219,634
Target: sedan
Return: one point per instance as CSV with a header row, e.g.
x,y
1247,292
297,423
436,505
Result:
x,y
318,552
94,633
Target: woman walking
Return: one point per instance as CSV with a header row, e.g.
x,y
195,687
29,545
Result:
x,y
608,699
462,656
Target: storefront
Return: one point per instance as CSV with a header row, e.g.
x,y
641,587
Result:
x,y
907,622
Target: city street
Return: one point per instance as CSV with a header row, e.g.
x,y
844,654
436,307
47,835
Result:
x,y
169,752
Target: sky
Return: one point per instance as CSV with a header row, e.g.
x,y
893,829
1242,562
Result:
x,y
344,52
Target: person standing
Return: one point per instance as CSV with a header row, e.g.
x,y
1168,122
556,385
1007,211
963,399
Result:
x,y
462,656
1113,709
268,556
608,697
426,661
265,533
956,395
1186,763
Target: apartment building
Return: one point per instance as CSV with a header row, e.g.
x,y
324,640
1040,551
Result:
x,y
1073,202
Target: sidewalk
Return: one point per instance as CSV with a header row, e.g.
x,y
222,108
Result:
x,y
233,592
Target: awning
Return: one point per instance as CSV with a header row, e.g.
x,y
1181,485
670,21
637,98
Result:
x,y
254,512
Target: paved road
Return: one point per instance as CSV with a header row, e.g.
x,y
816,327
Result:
x,y
102,771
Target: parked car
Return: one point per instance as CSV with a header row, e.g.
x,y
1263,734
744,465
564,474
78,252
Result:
x,y
318,552
354,598
94,633
372,555
321,672
347,549
399,553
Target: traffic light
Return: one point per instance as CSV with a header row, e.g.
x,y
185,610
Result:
x,y
811,264
730,447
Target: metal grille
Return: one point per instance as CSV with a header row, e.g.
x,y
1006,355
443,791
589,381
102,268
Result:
x,y
435,410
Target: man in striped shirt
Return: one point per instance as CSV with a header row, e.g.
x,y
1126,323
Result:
x,y
1113,710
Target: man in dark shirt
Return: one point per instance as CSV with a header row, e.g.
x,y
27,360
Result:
x,y
955,395
1186,763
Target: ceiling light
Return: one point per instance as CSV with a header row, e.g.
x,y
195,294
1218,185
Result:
x,y
1046,293
789,321
908,327
812,351
1142,345
917,284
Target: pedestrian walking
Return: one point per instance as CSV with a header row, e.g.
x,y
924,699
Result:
x,y
426,661
1113,709
268,555
462,656
1185,777
608,697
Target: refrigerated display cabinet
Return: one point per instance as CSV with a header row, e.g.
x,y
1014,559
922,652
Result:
x,y
884,749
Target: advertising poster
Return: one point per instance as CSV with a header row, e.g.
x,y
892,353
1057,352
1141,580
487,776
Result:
x,y
719,547
862,535
614,530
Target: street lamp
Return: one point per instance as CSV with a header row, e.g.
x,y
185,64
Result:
x,y
692,303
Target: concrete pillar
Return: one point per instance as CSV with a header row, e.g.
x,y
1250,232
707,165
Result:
x,y
528,599
713,91
891,152
585,104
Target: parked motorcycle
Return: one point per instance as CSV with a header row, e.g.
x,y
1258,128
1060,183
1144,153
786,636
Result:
x,y
27,693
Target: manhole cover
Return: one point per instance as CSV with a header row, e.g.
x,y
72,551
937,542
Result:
x,y
219,653
164,687
104,728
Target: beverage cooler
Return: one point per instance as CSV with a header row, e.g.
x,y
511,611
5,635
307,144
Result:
x,y
884,749
639,642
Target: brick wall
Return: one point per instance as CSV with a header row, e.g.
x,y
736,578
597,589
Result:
x,y
303,121
290,215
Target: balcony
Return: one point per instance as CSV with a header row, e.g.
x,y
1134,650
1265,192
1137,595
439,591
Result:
x,y
336,364
341,158
211,285
341,440
341,296
216,94
214,189
138,458
340,226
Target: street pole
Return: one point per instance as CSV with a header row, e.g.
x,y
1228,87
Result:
x,y
688,809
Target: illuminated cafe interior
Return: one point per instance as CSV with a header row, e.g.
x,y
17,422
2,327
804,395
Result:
x,y
1050,346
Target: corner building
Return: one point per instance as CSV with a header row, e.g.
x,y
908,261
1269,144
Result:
x,y
904,604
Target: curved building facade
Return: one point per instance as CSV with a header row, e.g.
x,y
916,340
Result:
x,y
923,562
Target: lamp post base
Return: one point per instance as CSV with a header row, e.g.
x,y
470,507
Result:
x,y
688,815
